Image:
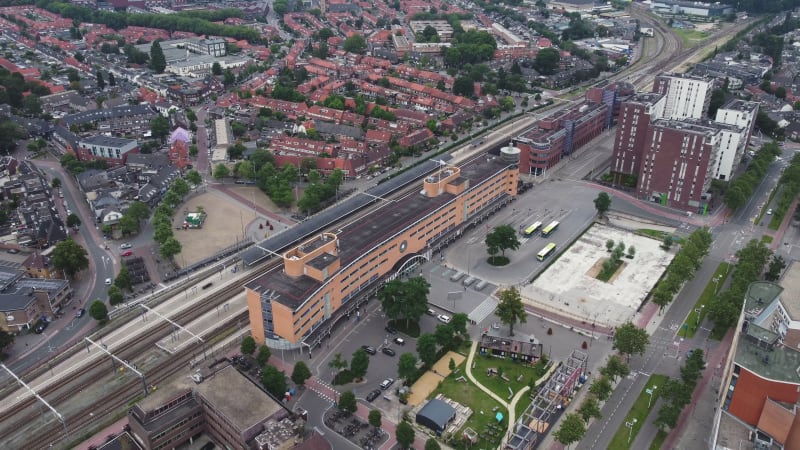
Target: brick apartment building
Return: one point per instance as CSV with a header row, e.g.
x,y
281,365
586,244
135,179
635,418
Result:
x,y
544,144
112,149
321,275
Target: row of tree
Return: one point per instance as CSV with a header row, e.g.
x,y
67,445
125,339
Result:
x,y
727,305
742,188
683,267
678,393
274,380
195,23
573,427
164,212
789,185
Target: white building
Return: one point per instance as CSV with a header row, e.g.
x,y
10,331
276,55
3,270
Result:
x,y
687,96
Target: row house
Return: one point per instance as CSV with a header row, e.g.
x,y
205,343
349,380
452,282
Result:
x,y
424,75
290,109
312,85
112,149
396,128
126,119
417,138
289,145
413,118
295,52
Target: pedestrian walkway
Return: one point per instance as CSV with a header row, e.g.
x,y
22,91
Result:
x,y
787,219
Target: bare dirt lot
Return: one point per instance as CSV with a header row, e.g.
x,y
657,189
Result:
x,y
228,220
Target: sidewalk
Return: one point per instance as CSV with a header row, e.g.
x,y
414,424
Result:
x,y
787,220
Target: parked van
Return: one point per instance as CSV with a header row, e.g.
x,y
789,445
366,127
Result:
x,y
468,281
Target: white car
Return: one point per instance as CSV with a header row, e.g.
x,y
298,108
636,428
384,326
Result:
x,y
444,318
125,246
769,212
108,281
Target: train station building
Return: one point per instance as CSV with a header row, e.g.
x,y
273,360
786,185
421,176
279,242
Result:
x,y
331,273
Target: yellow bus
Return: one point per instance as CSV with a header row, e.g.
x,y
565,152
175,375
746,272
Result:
x,y
531,230
550,228
546,251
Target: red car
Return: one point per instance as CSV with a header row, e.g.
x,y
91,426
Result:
x,y
128,253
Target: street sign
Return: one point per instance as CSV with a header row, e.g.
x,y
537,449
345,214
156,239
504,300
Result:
x,y
649,391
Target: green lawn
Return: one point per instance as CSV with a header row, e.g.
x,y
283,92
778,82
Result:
x,y
655,234
658,441
765,207
639,411
510,369
767,239
705,299
690,38
469,395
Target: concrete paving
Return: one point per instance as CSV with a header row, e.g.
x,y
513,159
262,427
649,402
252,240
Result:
x,y
569,286
203,325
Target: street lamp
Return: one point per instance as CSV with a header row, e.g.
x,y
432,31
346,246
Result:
x,y
630,429
698,311
716,284
650,393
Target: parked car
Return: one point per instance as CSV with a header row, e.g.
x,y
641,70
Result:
x,y
391,330
430,312
79,313
126,245
388,351
769,212
399,341
128,253
373,395
369,349
385,384
41,327
444,318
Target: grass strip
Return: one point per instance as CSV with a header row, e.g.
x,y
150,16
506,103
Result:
x,y
625,436
693,320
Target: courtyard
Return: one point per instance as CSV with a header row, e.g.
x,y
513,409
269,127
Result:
x,y
570,288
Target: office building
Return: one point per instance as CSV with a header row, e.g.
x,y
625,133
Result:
x,y
743,115
320,276
224,404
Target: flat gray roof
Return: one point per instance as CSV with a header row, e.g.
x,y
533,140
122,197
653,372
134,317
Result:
x,y
237,398
790,298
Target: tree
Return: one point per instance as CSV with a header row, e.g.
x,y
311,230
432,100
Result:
x,y
347,402
666,243
123,279
56,183
668,416
274,380
374,418
503,237
355,44
444,336
158,62
73,220
590,408
263,355
69,257
459,323
98,311
405,299
221,171
337,363
510,310
630,339
615,367
159,127
216,69
300,373
115,296
601,387
431,444
404,434
602,203
101,83
572,429
6,340
32,105
111,80
170,248
546,61
426,348
406,366
248,345
776,266
359,364
194,177
138,210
